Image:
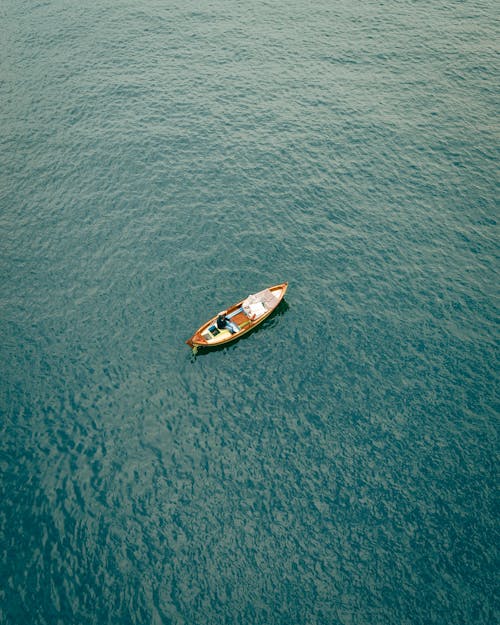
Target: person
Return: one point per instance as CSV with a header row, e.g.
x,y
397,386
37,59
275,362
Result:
x,y
224,323
221,320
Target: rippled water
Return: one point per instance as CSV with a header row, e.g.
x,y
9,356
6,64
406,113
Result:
x,y
161,160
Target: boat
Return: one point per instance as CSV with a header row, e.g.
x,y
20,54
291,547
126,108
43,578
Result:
x,y
238,319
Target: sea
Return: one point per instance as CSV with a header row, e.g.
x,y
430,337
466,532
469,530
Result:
x,y
161,160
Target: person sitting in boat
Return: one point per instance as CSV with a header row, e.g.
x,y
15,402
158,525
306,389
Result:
x,y
224,323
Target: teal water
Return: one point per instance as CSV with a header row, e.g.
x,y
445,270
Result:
x,y
161,160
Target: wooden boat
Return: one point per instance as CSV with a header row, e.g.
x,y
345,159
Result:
x,y
239,318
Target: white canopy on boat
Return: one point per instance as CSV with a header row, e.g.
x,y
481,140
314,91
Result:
x,y
258,304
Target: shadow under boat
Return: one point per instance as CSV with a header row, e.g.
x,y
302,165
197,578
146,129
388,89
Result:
x,y
280,309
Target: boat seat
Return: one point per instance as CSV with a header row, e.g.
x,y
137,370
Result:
x,y
239,318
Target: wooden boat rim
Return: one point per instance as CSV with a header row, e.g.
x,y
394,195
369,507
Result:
x,y
197,340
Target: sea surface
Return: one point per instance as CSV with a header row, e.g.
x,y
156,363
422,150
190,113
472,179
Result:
x,y
160,160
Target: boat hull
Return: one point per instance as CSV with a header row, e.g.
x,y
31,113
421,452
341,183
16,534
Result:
x,y
243,317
